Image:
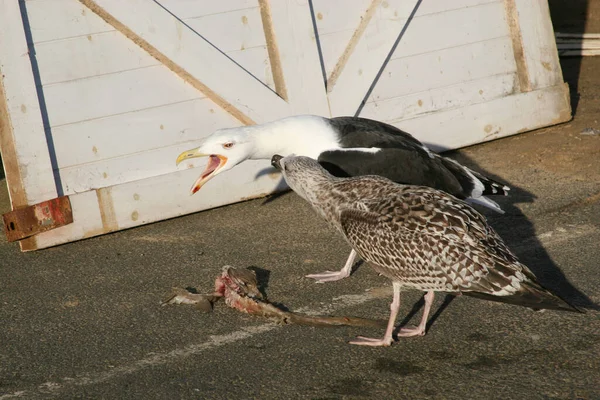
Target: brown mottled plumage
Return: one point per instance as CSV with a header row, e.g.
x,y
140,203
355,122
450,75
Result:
x,y
419,237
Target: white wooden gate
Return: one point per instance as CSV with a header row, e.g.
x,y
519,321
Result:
x,y
98,97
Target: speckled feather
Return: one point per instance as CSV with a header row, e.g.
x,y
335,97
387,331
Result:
x,y
420,237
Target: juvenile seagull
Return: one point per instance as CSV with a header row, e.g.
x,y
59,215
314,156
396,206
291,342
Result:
x,y
420,238
345,146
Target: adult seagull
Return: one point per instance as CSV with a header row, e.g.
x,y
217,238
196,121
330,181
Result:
x,y
344,146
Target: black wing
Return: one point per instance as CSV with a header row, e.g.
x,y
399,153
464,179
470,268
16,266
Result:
x,y
397,164
425,167
363,132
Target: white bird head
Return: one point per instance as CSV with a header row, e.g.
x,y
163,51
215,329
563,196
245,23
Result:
x,y
225,149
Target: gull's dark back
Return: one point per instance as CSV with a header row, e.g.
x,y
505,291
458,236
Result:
x,y
401,158
363,132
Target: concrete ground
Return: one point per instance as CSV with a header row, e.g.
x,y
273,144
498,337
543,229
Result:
x,y
83,320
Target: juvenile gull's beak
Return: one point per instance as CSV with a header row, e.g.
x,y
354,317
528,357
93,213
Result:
x,y
215,162
275,161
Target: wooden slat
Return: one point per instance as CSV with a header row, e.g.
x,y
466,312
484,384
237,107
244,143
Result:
x,y
192,58
445,67
233,30
441,98
332,21
539,45
444,30
329,19
61,19
89,55
434,28
294,37
196,8
433,7
255,60
492,120
23,142
138,131
136,203
133,167
106,95
431,17
368,54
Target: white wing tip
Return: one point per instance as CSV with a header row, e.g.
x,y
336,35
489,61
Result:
x,y
484,201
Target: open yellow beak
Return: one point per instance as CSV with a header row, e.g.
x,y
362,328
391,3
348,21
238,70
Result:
x,y
186,155
215,162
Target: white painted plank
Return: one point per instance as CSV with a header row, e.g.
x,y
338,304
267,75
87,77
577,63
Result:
x,y
184,9
362,66
197,57
433,28
433,7
233,30
118,93
109,52
438,99
89,55
539,45
136,203
255,60
492,120
446,67
61,19
330,18
299,57
25,151
129,168
444,30
441,25
138,131
333,46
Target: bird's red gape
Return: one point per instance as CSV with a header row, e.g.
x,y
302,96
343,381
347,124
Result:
x,y
215,161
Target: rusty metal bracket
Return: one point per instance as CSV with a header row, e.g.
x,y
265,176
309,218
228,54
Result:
x,y
47,215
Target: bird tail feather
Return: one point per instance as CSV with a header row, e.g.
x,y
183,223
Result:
x,y
484,201
491,187
530,295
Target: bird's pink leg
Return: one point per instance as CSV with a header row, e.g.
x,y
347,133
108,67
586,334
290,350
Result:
x,y
419,330
330,276
387,337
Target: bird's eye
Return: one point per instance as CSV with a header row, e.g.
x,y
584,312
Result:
x,y
228,145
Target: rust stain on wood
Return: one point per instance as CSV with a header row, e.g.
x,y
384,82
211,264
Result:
x,y
186,76
341,63
28,221
273,49
512,18
107,209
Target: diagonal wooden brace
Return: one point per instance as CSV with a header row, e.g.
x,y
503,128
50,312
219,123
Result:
x,y
47,215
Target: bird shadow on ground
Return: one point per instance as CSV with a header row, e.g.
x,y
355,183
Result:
x,y
262,283
418,305
516,229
